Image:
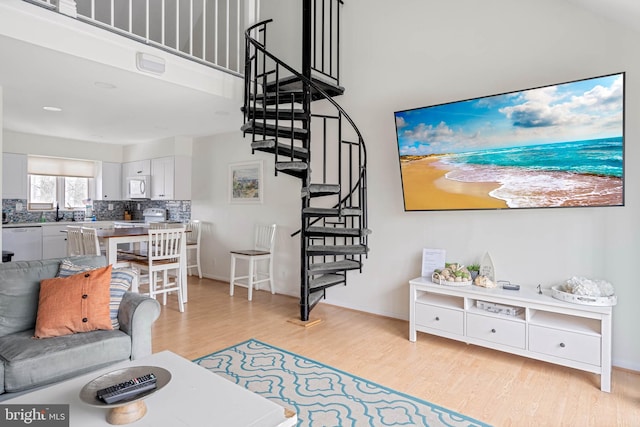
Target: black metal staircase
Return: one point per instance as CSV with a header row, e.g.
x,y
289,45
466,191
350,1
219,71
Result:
x,y
323,148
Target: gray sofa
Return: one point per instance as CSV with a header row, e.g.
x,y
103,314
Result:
x,y
27,363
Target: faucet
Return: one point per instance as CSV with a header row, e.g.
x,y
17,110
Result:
x,y
58,217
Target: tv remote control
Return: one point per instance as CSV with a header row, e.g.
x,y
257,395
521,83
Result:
x,y
127,389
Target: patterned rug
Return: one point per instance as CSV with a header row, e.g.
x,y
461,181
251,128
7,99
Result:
x,y
321,395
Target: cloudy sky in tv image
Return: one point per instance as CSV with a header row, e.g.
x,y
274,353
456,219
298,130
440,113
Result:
x,y
575,111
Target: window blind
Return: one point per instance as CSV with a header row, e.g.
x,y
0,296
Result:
x,y
53,166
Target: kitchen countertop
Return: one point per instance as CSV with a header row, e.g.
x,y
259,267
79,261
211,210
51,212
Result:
x,y
50,223
65,223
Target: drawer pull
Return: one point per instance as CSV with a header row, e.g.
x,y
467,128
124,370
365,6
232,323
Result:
x,y
493,331
562,345
437,319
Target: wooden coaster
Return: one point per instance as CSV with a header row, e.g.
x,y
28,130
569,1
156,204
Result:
x,y
309,323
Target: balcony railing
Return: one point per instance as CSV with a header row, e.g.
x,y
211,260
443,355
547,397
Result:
x,y
207,31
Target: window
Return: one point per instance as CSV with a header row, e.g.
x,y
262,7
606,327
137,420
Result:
x,y
42,189
66,182
69,192
75,191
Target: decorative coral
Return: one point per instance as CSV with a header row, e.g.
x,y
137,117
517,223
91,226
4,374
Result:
x,y
485,282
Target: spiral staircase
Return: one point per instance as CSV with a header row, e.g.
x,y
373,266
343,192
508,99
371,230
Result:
x,y
320,146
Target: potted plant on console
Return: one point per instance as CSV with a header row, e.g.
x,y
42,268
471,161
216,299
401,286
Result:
x,y
474,269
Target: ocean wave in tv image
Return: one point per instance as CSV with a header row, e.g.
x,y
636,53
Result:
x,y
581,173
596,157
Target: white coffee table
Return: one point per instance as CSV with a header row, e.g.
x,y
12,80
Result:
x,y
193,397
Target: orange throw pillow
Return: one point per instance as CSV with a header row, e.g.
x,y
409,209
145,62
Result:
x,y
78,303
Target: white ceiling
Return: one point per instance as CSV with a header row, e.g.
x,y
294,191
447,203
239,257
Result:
x,y
37,69
140,108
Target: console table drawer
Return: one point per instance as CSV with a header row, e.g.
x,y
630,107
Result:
x,y
444,319
499,331
565,344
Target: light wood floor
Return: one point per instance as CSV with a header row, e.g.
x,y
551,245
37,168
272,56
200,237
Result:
x,y
497,388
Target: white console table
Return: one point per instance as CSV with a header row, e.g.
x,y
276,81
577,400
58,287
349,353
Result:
x,y
545,328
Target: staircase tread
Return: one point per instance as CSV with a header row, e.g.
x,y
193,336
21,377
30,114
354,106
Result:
x,y
315,297
283,114
315,190
332,212
292,83
326,280
291,166
261,129
342,265
313,187
337,249
272,109
250,126
340,231
284,149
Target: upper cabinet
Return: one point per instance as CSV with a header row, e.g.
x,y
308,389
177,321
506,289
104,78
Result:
x,y
14,176
140,167
110,182
171,178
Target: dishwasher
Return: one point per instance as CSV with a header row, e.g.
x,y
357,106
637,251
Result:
x,y
24,242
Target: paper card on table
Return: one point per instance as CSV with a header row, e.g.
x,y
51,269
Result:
x,y
432,259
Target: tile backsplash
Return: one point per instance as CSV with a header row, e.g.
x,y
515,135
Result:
x,y
177,210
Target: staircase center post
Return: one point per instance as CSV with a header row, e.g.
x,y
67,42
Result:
x,y
306,38
306,105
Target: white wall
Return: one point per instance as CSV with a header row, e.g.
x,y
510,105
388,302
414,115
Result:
x,y
176,146
230,226
398,56
285,38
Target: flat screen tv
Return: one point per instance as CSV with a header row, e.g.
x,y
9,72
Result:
x,y
554,146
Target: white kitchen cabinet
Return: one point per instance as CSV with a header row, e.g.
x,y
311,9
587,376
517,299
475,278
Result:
x,y
15,184
24,242
54,241
139,167
162,174
541,327
171,178
110,182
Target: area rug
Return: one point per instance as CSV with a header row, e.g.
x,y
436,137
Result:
x,y
322,395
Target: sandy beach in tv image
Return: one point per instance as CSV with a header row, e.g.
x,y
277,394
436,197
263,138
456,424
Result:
x,y
554,146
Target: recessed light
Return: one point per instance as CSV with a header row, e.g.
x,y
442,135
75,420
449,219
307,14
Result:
x,y
54,109
105,85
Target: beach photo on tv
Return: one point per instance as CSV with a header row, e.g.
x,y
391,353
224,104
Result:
x,y
554,146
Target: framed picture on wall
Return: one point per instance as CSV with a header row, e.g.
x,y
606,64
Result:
x,y
245,182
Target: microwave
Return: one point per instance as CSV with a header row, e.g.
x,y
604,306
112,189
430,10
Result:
x,y
139,187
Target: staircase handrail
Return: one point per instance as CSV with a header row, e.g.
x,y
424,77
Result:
x,y
262,48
